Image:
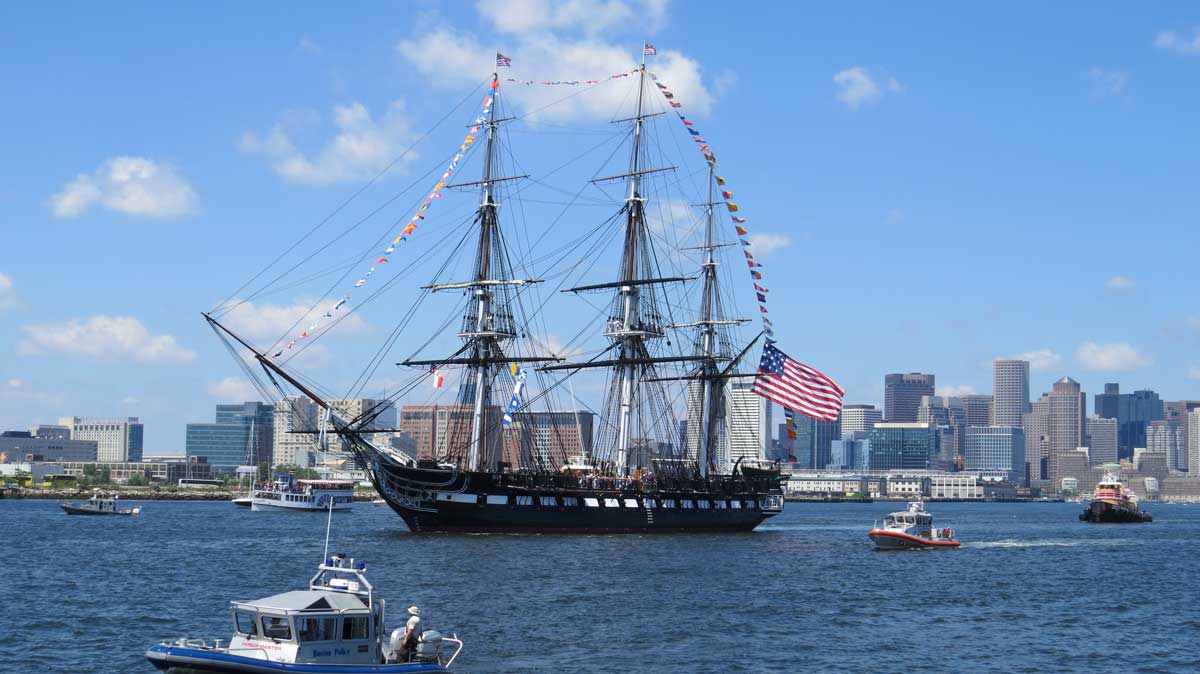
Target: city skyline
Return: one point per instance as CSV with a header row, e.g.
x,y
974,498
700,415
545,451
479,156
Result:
x,y
234,163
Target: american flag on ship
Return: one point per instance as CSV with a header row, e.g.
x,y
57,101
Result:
x,y
503,61
648,49
797,386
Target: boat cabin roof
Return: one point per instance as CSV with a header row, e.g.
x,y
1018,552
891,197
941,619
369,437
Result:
x,y
328,484
303,601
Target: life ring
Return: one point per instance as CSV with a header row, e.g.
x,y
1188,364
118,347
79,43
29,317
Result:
x,y
945,533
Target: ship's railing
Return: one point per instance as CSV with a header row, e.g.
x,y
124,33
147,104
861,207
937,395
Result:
x,y
453,638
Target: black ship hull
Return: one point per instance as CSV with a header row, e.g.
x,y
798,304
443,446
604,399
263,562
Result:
x,y
448,500
1111,513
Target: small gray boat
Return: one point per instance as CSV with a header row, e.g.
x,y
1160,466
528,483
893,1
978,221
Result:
x,y
99,505
335,626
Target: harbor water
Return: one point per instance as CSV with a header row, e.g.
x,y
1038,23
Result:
x,y
1031,590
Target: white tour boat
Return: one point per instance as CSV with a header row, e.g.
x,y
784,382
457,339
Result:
x,y
288,493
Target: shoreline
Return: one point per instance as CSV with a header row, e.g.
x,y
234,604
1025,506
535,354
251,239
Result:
x,y
138,494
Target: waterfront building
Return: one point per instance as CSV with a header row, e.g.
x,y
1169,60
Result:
x,y
851,452
902,395
1067,412
902,446
444,431
1036,426
157,471
405,445
242,435
1010,391
813,446
25,446
695,425
955,487
859,418
996,449
1065,464
978,409
1193,424
1133,412
117,439
948,414
551,439
297,424
1101,440
1177,412
51,432
291,446
749,434
1168,438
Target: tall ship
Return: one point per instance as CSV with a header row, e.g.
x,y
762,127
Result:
x,y
1113,502
654,335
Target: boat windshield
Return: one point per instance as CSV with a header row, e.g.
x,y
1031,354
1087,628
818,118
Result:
x,y
275,627
244,623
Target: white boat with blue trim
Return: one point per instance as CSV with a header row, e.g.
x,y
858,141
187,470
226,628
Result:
x,y
336,625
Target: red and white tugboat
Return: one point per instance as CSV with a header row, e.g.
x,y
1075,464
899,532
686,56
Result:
x,y
912,528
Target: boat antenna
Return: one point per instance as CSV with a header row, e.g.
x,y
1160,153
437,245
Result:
x,y
328,525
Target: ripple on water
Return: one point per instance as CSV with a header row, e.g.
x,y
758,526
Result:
x,y
805,593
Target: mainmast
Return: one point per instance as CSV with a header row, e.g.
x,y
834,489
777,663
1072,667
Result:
x,y
629,333
485,335
634,319
488,321
711,399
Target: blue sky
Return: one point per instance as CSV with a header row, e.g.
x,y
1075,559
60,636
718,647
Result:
x,y
943,185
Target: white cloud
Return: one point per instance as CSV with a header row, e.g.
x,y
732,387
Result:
x,y
1040,360
555,346
1110,357
1194,324
132,185
233,389
309,46
462,59
856,87
765,244
1172,41
361,147
955,391
1194,373
1107,82
894,216
103,337
8,294
275,321
1119,282
15,383
130,400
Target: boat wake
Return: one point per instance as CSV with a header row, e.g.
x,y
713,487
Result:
x,y
1013,543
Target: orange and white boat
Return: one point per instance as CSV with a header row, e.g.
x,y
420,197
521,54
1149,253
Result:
x,y
911,529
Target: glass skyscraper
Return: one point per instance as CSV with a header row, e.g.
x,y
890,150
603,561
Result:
x,y
902,446
241,436
996,449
